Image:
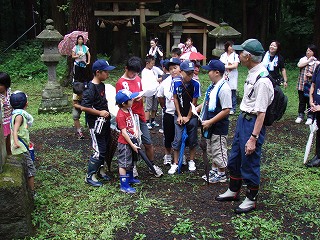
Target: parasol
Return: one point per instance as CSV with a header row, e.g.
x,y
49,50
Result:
x,y
313,128
192,56
69,41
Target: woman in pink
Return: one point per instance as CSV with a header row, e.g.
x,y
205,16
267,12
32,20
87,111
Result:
x,y
6,109
188,46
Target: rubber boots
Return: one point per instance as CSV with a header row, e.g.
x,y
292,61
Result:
x,y
132,179
124,185
249,203
232,194
93,167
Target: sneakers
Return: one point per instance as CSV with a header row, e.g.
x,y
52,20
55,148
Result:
x,y
173,169
192,166
309,121
135,171
80,135
184,161
231,112
158,171
298,119
149,126
161,130
218,178
155,124
212,173
167,159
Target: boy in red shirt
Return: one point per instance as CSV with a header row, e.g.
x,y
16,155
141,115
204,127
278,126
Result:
x,y
132,82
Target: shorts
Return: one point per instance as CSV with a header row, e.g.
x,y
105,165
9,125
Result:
x,y
76,113
145,137
6,129
124,156
151,103
192,131
30,164
217,150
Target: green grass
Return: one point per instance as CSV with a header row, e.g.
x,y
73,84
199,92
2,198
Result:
x,y
66,208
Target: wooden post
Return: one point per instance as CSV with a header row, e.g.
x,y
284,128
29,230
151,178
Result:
x,y
204,43
168,45
143,32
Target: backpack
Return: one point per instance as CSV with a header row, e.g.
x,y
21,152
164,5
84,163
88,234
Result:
x,y
278,105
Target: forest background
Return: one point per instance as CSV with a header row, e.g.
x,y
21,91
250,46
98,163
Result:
x,y
294,23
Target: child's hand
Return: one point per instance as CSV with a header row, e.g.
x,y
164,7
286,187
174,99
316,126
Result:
x,y
104,113
179,120
135,148
16,145
205,124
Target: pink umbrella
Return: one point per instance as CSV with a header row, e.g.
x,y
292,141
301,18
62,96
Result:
x,y
69,41
192,56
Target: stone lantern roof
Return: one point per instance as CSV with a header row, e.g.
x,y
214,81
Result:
x,y
177,16
50,34
224,31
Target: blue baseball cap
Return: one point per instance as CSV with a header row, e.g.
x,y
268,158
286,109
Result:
x,y
102,65
18,100
215,65
187,66
125,95
173,61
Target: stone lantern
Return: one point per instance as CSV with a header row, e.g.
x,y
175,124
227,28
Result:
x,y
222,34
177,19
53,99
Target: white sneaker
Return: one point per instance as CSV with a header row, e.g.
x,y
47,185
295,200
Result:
x,y
192,166
212,173
135,171
161,130
167,159
184,161
218,178
309,121
298,120
158,171
173,169
231,112
149,126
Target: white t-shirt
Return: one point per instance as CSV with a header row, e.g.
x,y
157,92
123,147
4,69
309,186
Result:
x,y
166,90
80,51
231,76
149,80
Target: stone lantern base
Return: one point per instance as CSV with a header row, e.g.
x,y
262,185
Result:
x,y
53,99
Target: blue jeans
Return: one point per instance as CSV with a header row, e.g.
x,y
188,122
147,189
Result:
x,y
234,99
192,131
239,164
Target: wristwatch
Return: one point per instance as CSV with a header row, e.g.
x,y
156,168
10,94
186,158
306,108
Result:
x,y
255,136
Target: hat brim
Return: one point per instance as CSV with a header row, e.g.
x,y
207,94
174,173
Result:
x,y
109,68
187,69
134,95
237,47
206,67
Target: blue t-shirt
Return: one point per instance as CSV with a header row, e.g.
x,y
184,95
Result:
x,y
316,81
185,93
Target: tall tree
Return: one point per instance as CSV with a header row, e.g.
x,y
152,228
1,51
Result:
x,y
59,10
316,35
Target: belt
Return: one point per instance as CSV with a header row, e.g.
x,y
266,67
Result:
x,y
248,116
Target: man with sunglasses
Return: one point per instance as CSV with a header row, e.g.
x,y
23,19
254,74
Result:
x,y
245,155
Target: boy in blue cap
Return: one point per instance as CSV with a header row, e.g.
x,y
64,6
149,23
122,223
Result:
x,y
95,105
185,90
128,127
215,122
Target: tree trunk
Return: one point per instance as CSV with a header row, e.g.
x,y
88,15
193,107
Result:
x,y
244,20
81,18
264,21
59,16
30,18
316,35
